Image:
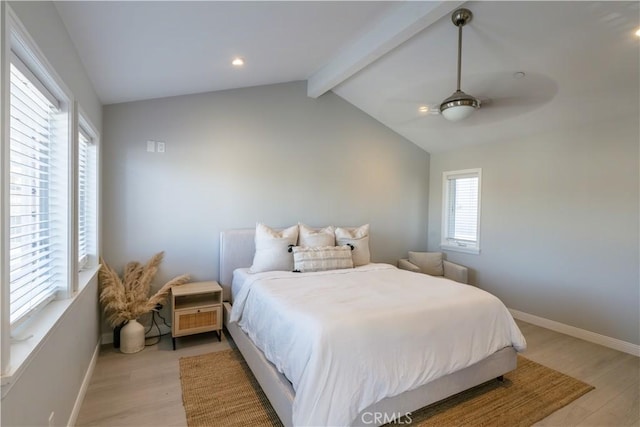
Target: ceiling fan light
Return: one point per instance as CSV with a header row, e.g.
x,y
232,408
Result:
x,y
457,113
458,106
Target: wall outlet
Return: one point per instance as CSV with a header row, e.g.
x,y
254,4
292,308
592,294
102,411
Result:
x,y
52,419
160,146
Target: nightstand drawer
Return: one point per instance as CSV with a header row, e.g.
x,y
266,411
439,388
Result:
x,y
196,320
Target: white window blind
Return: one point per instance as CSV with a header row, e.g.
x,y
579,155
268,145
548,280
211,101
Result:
x,y
86,197
461,210
34,248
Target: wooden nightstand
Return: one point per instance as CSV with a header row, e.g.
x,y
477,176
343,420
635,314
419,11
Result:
x,y
196,308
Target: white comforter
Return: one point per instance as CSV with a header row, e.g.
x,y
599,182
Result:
x,y
349,338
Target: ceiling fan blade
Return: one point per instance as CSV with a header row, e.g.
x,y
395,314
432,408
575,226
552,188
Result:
x,y
405,111
510,102
516,90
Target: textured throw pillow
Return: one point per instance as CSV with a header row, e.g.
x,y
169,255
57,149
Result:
x,y
359,238
318,258
272,249
429,262
310,237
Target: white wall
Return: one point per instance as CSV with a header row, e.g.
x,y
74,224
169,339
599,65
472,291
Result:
x,y
559,224
265,153
52,380
54,377
47,29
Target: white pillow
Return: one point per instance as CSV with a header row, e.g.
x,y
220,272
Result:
x,y
310,237
322,258
359,238
272,249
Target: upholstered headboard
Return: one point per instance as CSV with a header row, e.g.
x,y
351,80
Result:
x,y
237,248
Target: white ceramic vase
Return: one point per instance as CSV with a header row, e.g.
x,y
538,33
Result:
x,y
132,337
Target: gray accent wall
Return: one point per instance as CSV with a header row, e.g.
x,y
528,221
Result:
x,y
262,154
52,380
559,224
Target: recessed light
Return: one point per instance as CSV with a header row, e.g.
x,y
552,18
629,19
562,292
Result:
x,y
237,62
423,108
638,32
518,74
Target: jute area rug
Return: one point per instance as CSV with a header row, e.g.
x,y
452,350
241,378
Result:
x,y
218,389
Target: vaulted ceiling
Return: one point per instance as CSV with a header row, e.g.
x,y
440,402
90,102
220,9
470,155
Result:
x,y
580,59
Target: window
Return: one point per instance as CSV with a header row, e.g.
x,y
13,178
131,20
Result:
x,y
461,211
49,194
36,252
86,194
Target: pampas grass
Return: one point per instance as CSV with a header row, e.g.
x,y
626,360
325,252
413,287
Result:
x,y
128,298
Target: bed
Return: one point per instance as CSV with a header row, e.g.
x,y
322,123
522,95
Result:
x,y
236,252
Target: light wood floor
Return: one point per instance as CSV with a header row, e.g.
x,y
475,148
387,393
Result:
x,y
144,388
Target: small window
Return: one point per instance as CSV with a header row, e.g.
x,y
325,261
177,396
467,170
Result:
x,y
461,211
87,201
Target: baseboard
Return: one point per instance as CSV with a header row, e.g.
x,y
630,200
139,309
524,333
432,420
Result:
x,y
583,334
83,388
107,338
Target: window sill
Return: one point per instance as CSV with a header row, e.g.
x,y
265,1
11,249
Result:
x,y
38,330
463,249
85,276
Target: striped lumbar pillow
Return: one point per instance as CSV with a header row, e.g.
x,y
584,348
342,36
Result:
x,y
321,258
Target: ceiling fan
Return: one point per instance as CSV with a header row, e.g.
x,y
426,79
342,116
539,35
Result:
x,y
511,93
459,105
